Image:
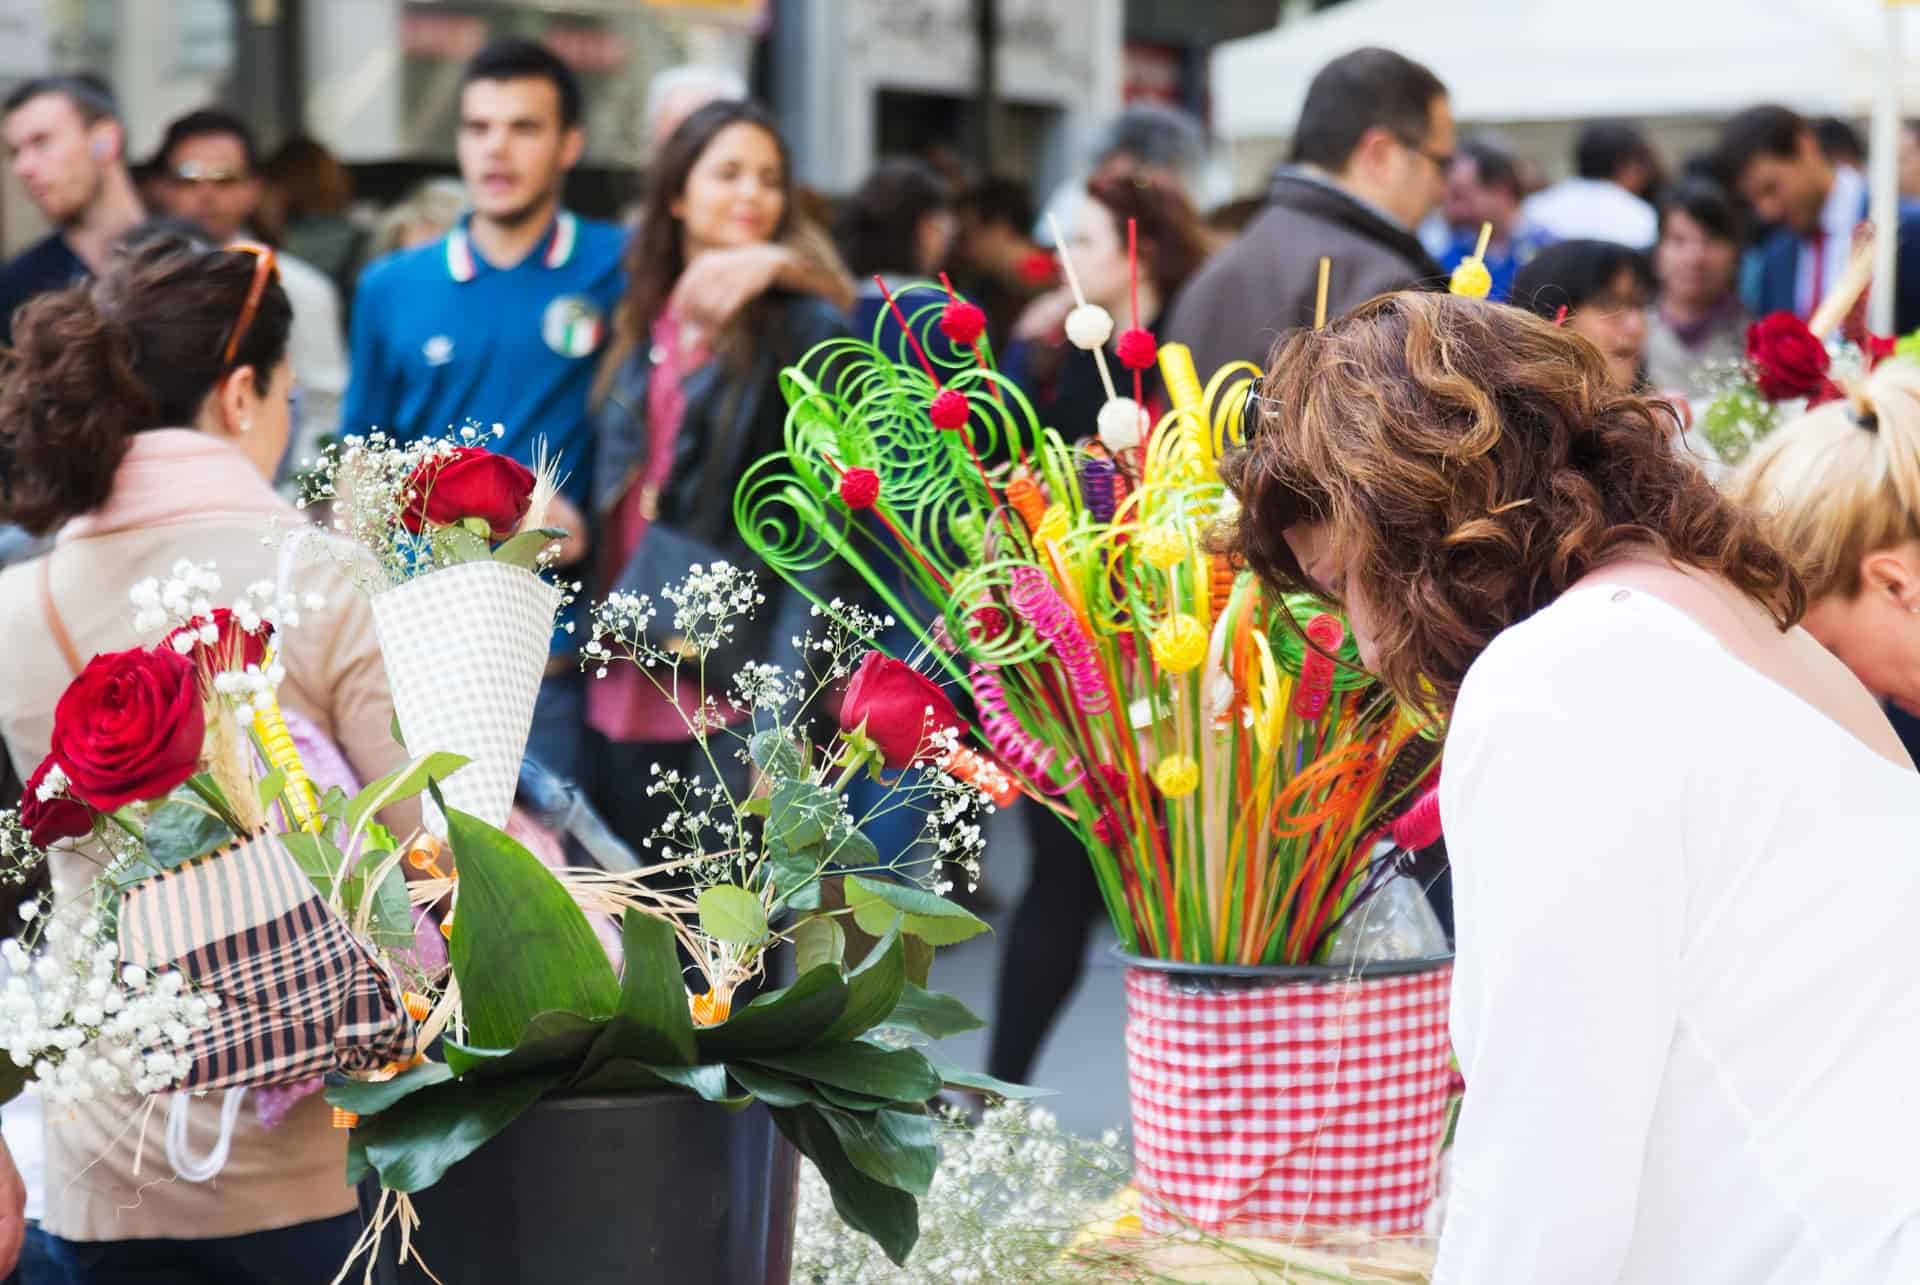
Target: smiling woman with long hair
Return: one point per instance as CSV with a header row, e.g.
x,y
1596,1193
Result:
x,y
1682,833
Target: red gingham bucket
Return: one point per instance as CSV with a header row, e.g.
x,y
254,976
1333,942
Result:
x,y
1267,1105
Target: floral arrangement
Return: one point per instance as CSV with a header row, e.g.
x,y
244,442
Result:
x,y
165,760
760,851
1787,367
1217,750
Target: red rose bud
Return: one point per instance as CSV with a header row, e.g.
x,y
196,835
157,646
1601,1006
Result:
x,y
1037,269
130,727
468,482
898,708
963,323
1106,827
59,816
1788,361
1136,349
233,648
950,410
988,623
859,488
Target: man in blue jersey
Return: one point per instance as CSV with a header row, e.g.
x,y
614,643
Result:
x,y
502,321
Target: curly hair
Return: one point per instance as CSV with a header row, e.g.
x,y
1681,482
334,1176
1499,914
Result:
x,y
1472,462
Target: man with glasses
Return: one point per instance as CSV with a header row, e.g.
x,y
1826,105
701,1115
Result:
x,y
67,148
208,175
1371,156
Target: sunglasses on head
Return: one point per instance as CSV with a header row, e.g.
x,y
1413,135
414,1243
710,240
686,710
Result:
x,y
263,269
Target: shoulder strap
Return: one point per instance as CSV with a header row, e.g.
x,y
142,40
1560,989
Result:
x,y
56,627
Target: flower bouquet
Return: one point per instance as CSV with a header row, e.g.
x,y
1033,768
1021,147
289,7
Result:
x,y
206,951
459,541
1242,789
758,852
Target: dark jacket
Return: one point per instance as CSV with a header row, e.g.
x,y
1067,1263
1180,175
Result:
x,y
1775,286
1263,285
730,423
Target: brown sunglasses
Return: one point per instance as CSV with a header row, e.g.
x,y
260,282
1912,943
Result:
x,y
263,270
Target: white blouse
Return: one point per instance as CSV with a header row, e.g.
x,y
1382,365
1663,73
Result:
x,y
1687,999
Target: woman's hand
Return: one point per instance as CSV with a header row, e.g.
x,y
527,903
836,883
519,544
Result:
x,y
13,1212
1045,318
563,513
719,283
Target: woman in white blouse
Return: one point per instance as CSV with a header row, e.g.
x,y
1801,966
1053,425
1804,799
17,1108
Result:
x,y
1686,843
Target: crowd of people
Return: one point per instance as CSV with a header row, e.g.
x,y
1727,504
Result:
x,y
157,394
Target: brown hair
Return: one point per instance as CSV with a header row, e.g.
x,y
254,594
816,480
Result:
x,y
1173,241
308,180
1473,463
141,347
655,257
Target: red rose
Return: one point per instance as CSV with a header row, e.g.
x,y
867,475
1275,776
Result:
x,y
233,648
130,727
59,817
896,707
1787,360
469,482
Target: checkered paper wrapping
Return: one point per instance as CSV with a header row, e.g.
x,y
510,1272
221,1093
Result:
x,y
299,993
1284,1105
466,647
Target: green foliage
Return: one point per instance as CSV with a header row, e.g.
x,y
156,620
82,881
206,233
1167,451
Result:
x,y
390,924
878,905
730,913
180,829
524,549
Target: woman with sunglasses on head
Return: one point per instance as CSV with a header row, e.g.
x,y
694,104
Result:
x,y
140,420
1681,832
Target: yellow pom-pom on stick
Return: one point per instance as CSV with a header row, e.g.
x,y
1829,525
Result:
x,y
1163,546
1179,644
1470,276
1177,776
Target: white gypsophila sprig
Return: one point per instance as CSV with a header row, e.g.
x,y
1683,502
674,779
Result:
x,y
20,857
833,650
953,827
710,602
765,689
619,632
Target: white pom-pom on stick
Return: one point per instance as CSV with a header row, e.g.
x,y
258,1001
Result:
x,y
1089,326
1080,299
1121,424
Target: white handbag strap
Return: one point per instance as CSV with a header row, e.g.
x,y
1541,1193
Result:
x,y
201,1168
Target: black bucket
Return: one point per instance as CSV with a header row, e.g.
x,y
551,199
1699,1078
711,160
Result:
x,y
643,1187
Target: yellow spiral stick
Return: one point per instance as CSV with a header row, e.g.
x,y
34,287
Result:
x,y
282,756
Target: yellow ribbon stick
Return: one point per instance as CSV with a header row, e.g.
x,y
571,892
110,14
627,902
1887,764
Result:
x,y
276,739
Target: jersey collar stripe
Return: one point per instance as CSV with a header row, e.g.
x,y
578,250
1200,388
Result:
x,y
459,255
565,232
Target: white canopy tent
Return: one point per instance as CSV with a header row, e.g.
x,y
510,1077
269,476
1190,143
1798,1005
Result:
x,y
1522,61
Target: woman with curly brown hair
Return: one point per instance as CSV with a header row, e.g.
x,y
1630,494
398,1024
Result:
x,y
1680,1031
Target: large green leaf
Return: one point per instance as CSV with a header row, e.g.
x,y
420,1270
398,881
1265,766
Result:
x,y
793,875
818,940
902,1075
931,1013
368,1098
730,913
894,1147
652,1023
801,812
402,784
958,1077
783,1020
775,754
179,830
390,923
618,1075
520,945
414,1141
853,849
709,1081
774,1090
873,989
524,549
889,1215
933,919
551,1041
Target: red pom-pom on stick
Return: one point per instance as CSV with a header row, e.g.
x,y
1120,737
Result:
x,y
859,488
963,323
950,410
988,623
1136,349
1419,827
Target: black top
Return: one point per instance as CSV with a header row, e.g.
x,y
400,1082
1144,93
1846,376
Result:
x,y
46,265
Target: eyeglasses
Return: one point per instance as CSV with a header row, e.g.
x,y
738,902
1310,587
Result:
x,y
263,269
1442,161
194,172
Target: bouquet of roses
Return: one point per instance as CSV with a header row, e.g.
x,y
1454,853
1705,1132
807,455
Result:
x,y
459,541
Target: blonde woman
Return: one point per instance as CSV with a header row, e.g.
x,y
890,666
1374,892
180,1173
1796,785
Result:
x,y
1841,489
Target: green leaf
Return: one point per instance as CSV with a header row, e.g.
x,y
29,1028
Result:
x,y
271,786
13,1080
919,960
793,875
552,1041
818,940
958,1077
931,1013
774,1090
178,831
524,549
391,923
652,1024
619,1075
393,730
854,849
894,1147
775,754
709,1081
800,812
777,1022
865,1102
455,544
935,920
366,1098
400,785
412,1143
889,1215
873,989
730,913
902,1075
520,945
